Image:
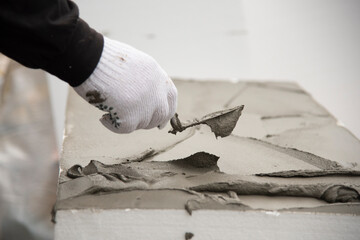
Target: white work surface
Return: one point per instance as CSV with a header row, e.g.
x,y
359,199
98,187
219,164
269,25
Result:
x,y
315,43
282,131
227,225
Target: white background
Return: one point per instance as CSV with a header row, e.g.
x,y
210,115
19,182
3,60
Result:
x,y
313,42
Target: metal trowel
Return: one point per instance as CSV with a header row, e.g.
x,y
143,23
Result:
x,y
222,123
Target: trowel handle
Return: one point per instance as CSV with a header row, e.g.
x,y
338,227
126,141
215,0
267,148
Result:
x,y
176,123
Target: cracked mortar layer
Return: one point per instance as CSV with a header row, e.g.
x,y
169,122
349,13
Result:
x,y
250,160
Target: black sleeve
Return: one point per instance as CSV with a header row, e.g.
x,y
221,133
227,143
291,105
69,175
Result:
x,y
49,34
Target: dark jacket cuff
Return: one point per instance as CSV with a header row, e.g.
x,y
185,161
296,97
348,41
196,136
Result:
x,y
80,58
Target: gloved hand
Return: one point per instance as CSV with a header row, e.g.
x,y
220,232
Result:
x,y
131,87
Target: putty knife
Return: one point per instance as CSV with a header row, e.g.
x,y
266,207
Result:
x,y
221,122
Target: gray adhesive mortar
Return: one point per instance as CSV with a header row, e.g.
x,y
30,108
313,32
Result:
x,y
150,169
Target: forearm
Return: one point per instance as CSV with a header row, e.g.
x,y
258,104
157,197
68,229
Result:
x,y
49,34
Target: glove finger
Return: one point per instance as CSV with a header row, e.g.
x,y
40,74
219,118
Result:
x,y
117,127
172,105
110,123
163,124
172,100
166,118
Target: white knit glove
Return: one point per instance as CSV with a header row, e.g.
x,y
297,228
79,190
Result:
x,y
131,87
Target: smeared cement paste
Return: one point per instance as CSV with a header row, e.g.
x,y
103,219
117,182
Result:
x,y
188,235
285,147
310,173
188,174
